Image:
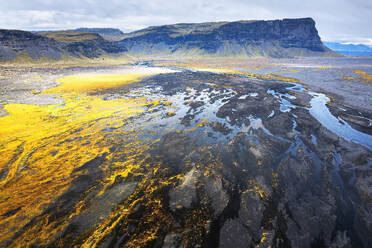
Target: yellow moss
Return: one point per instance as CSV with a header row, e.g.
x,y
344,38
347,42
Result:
x,y
189,130
41,130
202,123
348,78
257,188
41,146
167,103
91,83
35,91
330,99
264,237
322,67
264,240
171,113
364,76
299,149
103,230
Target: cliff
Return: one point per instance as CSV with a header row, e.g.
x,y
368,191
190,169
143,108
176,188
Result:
x,y
277,38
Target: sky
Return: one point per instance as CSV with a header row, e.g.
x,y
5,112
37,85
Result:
x,y
336,20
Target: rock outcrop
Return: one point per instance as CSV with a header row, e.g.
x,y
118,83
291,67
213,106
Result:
x,y
277,38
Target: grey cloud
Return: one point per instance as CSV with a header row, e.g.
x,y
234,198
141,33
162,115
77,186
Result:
x,y
342,20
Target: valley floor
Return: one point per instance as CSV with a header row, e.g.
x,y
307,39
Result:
x,y
187,153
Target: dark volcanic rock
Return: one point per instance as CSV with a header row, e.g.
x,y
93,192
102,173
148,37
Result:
x,y
263,178
184,195
240,238
172,241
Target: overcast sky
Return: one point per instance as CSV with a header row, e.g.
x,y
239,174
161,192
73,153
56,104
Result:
x,y
336,20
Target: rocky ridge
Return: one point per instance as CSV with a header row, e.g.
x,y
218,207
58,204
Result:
x,y
275,38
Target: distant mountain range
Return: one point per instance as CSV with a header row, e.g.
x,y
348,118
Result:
x,y
350,49
277,38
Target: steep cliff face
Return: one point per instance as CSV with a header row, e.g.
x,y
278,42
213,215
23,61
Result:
x,y
278,38
22,45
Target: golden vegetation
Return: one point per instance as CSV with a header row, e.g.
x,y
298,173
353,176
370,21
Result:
x,y
42,145
348,78
70,36
364,76
255,187
91,83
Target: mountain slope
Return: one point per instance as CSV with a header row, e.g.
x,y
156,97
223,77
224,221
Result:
x,y
26,46
111,34
87,44
277,38
350,49
21,44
